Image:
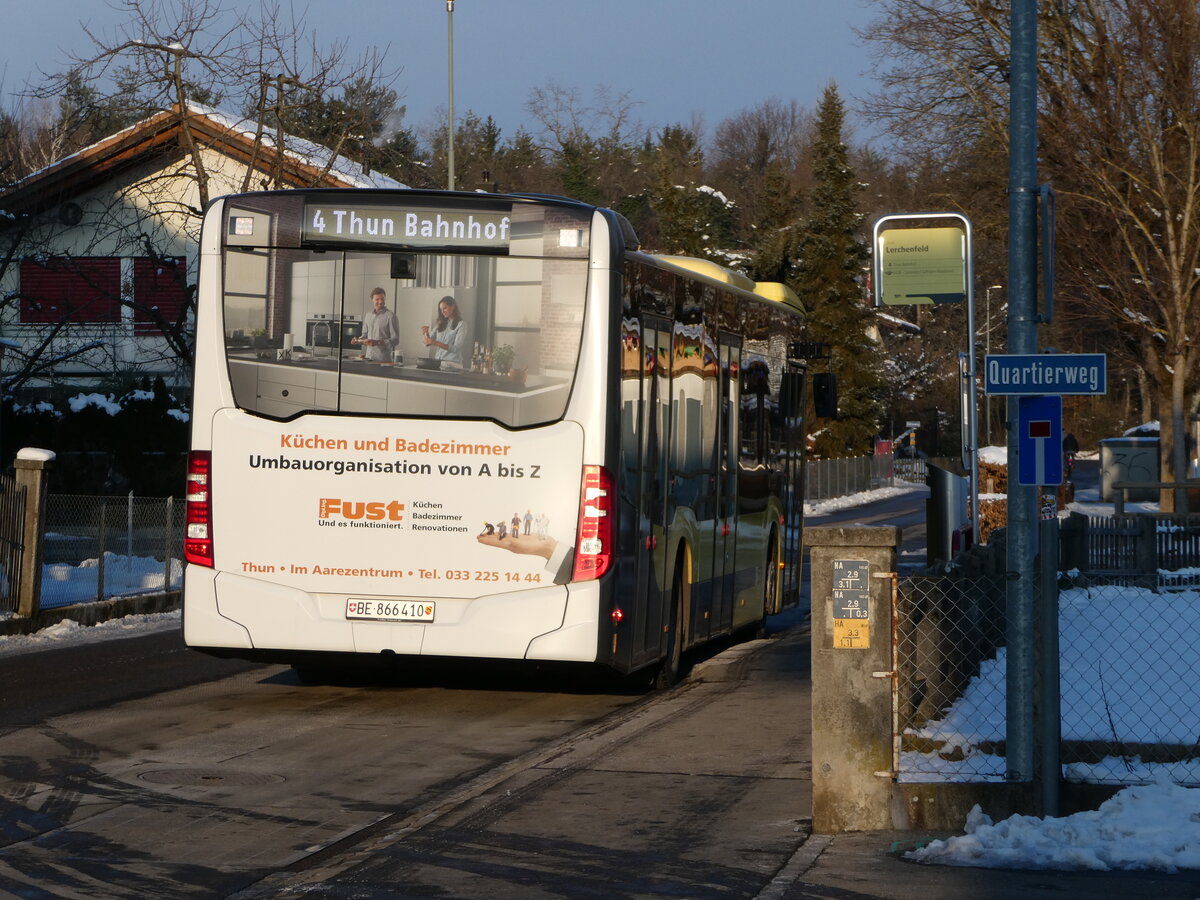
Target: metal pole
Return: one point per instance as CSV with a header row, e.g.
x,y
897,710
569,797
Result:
x,y
1049,700
972,422
168,544
1022,338
450,116
987,351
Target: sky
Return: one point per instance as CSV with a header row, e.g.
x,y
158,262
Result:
x,y
1154,825
675,58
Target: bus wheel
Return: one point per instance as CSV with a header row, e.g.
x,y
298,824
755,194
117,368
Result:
x,y
770,584
670,668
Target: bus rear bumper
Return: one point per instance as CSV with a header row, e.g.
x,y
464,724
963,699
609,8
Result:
x,y
203,624
226,610
575,639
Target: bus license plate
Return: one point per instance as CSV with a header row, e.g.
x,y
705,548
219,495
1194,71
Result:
x,y
390,610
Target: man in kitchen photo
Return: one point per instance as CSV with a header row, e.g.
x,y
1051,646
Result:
x,y
381,330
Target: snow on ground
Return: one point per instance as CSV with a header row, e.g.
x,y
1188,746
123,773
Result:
x,y
835,504
1154,826
69,633
63,585
123,576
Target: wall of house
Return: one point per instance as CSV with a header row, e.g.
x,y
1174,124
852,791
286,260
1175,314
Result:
x,y
156,202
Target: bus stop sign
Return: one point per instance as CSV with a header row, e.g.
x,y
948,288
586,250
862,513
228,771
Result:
x,y
1039,440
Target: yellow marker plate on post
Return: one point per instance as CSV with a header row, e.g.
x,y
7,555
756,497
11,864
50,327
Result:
x,y
851,634
851,604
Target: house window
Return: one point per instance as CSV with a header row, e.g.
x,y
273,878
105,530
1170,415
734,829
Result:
x,y
83,290
159,293
88,291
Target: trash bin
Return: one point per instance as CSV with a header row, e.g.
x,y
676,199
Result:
x,y
946,513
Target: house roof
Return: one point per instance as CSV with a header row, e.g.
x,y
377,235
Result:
x,y
301,163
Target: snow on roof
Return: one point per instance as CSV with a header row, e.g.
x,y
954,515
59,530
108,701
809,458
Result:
x,y
898,322
301,151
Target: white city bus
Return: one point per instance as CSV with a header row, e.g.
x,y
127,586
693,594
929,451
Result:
x,y
608,472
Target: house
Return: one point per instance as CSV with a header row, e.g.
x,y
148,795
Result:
x,y
98,252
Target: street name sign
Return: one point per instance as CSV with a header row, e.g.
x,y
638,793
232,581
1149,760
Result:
x,y
1035,374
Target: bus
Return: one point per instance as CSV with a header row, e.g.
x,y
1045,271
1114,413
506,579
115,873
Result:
x,y
608,471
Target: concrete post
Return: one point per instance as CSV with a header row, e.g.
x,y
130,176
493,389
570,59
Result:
x,y
851,684
32,470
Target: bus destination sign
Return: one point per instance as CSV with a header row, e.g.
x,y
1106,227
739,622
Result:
x,y
406,226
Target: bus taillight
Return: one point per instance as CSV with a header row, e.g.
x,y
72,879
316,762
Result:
x,y
593,552
197,542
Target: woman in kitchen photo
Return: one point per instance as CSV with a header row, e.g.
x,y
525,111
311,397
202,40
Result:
x,y
448,334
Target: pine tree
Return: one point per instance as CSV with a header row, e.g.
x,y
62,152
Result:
x,y
692,218
832,260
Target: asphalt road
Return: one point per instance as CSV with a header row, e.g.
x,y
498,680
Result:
x,y
906,510
135,767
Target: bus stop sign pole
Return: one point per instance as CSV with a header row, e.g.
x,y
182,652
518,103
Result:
x,y
1022,338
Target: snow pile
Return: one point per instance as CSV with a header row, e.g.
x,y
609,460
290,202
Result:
x,y
1155,826
69,633
995,455
833,504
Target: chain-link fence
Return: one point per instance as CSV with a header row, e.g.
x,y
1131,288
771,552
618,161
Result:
x,y
100,547
1130,692
950,678
1128,663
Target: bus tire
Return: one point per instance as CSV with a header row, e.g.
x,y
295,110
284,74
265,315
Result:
x,y
672,665
770,585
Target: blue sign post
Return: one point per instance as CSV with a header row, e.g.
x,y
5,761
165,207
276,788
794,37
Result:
x,y
1039,440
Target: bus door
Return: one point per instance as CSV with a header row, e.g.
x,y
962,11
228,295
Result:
x,y
653,600
728,454
793,448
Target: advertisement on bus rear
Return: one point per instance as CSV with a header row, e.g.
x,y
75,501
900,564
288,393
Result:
x,y
401,508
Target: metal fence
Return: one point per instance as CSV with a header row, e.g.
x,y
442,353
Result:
x,y
950,678
1128,618
1130,694
99,547
12,540
828,478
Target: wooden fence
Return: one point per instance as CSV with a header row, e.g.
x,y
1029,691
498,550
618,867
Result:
x,y
1142,544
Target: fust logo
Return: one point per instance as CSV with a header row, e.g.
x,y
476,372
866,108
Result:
x,y
371,510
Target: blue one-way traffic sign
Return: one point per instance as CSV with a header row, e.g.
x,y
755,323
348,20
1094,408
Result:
x,y
1039,440
1033,374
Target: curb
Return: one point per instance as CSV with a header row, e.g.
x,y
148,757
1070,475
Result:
x,y
94,612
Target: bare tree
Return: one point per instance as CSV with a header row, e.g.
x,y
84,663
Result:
x,y
175,64
761,158
594,147
1120,141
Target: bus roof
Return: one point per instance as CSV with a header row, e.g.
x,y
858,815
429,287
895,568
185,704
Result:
x,y
709,268
775,291
780,293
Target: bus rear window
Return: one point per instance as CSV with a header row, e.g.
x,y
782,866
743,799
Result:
x,y
403,333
